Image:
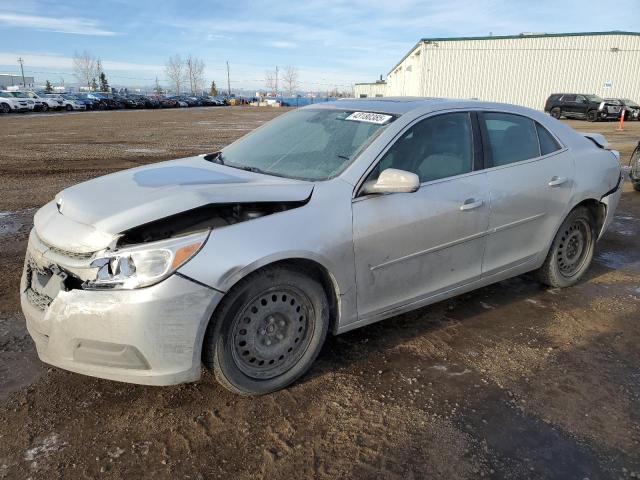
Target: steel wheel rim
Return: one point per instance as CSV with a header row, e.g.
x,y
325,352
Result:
x,y
272,332
574,248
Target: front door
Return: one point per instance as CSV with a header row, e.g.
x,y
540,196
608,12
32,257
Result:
x,y
409,246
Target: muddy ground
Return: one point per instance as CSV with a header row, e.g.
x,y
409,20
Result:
x,y
511,381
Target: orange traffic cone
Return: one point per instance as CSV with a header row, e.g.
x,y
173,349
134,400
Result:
x,y
621,127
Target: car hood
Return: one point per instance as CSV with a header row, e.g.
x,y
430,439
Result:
x,y
111,204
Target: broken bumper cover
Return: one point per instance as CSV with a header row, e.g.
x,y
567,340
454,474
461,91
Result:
x,y
150,336
611,200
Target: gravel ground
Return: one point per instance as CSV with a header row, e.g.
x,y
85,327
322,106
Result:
x,y
510,381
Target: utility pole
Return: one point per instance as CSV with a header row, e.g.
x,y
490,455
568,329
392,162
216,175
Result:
x,y
228,81
276,81
20,61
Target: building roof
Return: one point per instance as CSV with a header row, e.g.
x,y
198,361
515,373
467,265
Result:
x,y
513,37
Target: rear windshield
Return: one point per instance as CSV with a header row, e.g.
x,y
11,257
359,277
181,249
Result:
x,y
308,144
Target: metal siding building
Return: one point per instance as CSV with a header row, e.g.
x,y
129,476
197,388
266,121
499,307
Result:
x,y
523,69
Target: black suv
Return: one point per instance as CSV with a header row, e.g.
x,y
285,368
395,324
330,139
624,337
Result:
x,y
579,105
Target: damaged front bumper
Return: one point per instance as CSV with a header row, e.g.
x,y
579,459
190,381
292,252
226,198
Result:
x,y
150,335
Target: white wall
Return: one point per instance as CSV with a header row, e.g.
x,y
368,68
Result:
x,y
524,70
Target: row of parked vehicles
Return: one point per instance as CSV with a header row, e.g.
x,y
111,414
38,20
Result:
x,y
591,107
25,101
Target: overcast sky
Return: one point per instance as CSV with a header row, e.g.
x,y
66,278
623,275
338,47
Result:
x,y
331,42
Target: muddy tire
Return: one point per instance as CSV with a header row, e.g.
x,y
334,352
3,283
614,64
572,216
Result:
x,y
592,116
267,331
556,112
571,251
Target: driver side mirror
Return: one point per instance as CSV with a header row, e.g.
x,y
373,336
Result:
x,y
392,180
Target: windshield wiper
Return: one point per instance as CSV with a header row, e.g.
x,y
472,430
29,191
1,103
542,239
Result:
x,y
246,168
215,157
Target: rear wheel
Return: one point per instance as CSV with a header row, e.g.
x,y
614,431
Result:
x,y
592,115
571,251
556,112
45,107
267,331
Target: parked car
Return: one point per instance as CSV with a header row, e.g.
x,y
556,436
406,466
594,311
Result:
x,y
634,163
9,103
103,101
167,102
582,106
71,103
144,101
40,103
56,97
631,109
125,102
88,103
180,100
315,223
31,104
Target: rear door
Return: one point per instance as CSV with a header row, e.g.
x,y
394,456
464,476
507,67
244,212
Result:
x,y
530,182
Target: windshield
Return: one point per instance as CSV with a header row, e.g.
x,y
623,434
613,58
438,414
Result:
x,y
630,103
19,95
593,98
308,144
5,95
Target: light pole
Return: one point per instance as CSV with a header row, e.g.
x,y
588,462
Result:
x,y
20,61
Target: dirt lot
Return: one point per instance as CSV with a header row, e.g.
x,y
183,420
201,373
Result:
x,y
511,381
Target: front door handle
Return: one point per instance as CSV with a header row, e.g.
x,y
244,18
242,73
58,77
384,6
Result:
x,y
470,204
557,181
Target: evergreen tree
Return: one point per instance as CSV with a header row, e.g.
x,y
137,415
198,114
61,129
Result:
x,y
48,87
94,85
104,83
214,90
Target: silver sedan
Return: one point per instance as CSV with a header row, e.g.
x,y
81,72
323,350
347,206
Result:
x,y
326,219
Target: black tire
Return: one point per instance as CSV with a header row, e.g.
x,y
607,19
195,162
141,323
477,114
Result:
x,y
571,251
45,107
5,108
267,331
556,112
592,116
69,108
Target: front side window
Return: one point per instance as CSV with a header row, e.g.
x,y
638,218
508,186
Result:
x,y
511,138
435,148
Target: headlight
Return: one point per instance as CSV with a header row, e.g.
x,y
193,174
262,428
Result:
x,y
146,264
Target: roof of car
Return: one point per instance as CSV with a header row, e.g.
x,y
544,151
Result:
x,y
393,105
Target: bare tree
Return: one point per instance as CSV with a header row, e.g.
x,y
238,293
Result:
x,y
270,81
195,73
175,72
84,67
290,80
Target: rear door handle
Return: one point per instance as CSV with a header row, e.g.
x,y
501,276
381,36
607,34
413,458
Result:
x,y
557,181
470,204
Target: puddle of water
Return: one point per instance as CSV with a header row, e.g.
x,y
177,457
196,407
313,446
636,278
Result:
x,y
9,224
612,259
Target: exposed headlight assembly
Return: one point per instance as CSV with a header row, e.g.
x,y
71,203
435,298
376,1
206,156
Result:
x,y
146,264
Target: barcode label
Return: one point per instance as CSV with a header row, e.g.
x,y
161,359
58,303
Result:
x,y
369,117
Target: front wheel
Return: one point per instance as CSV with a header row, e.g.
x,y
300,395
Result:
x,y
571,251
556,112
45,107
5,108
592,115
69,108
267,331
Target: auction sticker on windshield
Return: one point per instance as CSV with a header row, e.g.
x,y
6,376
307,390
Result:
x,y
369,117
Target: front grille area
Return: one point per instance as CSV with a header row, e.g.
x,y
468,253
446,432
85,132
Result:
x,y
74,255
38,300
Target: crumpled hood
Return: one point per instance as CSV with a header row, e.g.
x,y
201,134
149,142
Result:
x,y
114,203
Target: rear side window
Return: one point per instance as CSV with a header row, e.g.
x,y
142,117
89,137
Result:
x,y
511,138
548,144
